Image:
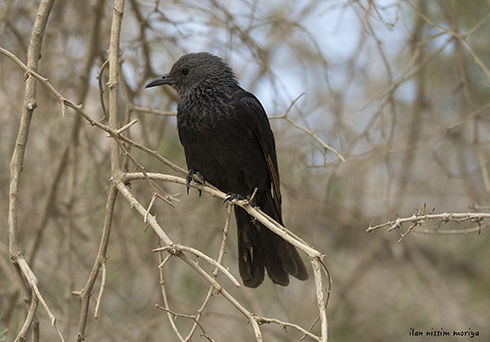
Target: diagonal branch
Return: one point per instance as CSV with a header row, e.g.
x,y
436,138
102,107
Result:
x,y
316,258
119,179
64,102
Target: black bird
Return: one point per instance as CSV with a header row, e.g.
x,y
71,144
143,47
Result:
x,y
229,143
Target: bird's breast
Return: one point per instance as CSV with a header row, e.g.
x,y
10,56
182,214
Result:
x,y
202,114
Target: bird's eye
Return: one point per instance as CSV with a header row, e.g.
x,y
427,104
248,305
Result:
x,y
185,71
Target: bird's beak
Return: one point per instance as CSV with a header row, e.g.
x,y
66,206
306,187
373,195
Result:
x,y
163,79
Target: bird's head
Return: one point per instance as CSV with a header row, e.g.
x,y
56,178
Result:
x,y
196,71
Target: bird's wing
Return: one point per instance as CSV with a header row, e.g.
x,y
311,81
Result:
x,y
259,124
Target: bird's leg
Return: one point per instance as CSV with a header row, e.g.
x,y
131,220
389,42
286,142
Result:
x,y
230,196
189,179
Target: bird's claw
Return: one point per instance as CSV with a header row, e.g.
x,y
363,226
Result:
x,y
189,179
232,196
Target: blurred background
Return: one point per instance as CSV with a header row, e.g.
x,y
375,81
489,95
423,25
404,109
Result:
x,y
399,88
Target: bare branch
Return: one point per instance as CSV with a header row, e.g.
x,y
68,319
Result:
x,y
421,218
176,249
306,130
194,318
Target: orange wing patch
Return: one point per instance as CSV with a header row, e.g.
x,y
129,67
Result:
x,y
275,180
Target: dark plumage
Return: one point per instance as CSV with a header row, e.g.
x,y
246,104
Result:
x,y
229,143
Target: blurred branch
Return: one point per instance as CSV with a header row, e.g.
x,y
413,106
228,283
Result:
x,y
465,85
143,26
73,136
419,106
460,36
413,68
86,292
193,317
158,192
454,231
152,111
285,117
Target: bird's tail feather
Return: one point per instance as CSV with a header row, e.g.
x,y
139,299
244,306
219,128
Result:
x,y
250,253
259,247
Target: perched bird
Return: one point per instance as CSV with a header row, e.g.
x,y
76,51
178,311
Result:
x,y
229,143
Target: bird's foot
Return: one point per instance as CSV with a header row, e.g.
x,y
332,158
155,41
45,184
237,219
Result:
x,y
251,201
232,196
189,179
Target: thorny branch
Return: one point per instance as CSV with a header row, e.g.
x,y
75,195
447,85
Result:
x,y
16,166
119,179
79,109
315,257
383,101
422,217
206,300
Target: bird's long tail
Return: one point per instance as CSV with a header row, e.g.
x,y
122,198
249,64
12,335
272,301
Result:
x,y
259,247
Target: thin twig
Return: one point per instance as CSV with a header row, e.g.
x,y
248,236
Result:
x,y
86,292
282,324
176,249
193,317
205,302
100,77
79,109
127,126
102,287
165,297
152,111
306,130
